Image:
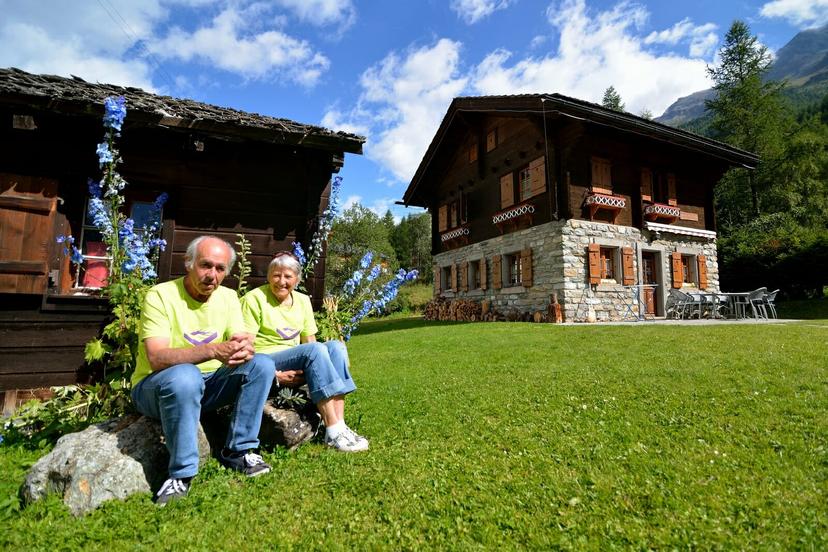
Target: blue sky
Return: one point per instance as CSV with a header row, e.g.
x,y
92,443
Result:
x,y
388,69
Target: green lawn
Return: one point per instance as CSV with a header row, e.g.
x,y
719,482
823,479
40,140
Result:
x,y
519,435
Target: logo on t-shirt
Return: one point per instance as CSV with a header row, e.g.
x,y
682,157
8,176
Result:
x,y
287,333
200,337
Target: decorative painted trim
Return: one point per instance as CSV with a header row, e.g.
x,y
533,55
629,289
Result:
x,y
456,233
680,230
603,200
513,213
661,210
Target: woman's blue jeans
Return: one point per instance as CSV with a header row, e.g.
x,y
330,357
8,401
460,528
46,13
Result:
x,y
326,367
178,394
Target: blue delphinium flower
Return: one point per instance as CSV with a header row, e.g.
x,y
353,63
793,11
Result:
x,y
365,262
374,274
77,256
100,217
114,112
160,201
104,154
94,188
299,253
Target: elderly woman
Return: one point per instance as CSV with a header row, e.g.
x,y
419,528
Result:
x,y
282,320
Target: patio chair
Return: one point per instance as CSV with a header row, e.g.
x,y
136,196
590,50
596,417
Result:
x,y
682,305
755,300
765,304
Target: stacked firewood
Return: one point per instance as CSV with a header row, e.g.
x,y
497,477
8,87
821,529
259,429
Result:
x,y
460,309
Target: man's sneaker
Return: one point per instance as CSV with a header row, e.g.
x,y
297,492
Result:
x,y
172,489
357,437
345,442
249,463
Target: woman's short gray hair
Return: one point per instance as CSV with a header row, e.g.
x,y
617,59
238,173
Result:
x,y
284,259
190,255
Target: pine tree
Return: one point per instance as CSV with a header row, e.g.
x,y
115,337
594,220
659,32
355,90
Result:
x,y
612,100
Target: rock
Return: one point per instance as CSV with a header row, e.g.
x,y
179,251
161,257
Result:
x,y
109,460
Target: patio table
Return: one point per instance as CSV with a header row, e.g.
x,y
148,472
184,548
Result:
x,y
738,303
711,303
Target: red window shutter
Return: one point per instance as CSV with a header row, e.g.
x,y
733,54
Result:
x,y
464,276
594,263
702,260
442,218
496,275
482,273
507,191
671,189
537,176
526,267
678,273
646,184
627,263
436,280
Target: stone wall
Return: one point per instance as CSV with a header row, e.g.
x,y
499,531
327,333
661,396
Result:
x,y
560,266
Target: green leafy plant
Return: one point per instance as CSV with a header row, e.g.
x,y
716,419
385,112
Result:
x,y
290,398
133,255
243,265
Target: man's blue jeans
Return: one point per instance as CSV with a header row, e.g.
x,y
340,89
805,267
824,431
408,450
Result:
x,y
325,366
178,394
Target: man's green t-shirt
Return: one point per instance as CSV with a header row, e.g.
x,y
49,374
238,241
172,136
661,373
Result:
x,y
169,311
276,326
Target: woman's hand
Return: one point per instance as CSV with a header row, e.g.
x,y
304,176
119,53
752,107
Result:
x,y
290,378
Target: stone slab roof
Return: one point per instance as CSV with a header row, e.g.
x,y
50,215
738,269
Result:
x,y
76,96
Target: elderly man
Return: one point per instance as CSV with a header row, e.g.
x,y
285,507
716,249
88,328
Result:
x,y
194,355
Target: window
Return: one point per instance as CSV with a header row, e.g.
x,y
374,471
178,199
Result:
x,y
445,278
453,220
525,183
94,270
513,269
474,274
607,263
688,270
658,186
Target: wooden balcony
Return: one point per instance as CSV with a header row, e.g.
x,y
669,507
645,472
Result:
x,y
611,204
514,217
659,212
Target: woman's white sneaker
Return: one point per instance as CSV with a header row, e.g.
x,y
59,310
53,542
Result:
x,y
345,442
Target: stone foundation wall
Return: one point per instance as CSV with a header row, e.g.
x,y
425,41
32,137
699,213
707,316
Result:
x,y
560,266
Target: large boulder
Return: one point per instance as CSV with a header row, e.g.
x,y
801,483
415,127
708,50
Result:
x,y
109,460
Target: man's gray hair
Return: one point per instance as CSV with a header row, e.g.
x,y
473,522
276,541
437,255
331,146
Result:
x,y
285,260
190,255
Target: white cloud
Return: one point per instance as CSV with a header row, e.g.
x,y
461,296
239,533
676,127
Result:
x,y
403,100
322,12
224,44
472,11
801,13
702,38
79,38
351,201
596,50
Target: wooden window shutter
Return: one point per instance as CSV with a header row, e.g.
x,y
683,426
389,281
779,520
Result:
x,y
678,273
702,261
507,191
537,176
453,277
646,185
473,153
671,190
28,206
496,275
482,273
491,140
627,263
594,263
442,218
601,175
436,280
526,267
464,276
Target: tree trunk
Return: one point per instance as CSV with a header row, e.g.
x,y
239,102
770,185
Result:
x,y
754,194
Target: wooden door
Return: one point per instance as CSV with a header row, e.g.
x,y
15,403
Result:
x,y
648,265
27,214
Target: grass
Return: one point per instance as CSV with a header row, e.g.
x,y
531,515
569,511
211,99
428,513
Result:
x,y
519,435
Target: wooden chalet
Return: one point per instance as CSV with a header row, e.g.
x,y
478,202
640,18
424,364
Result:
x,y
541,194
226,172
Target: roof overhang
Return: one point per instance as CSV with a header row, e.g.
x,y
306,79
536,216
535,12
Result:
x,y
679,230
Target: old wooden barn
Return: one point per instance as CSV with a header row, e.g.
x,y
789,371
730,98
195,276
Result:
x,y
543,195
226,172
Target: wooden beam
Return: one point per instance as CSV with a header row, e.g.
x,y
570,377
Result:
x,y
23,267
9,402
27,203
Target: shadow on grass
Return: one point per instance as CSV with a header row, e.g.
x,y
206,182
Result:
x,y
393,324
811,309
